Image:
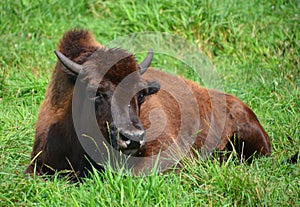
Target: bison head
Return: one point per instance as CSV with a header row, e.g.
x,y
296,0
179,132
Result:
x,y
113,82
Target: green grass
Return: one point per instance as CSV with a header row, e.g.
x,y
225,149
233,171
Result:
x,y
254,46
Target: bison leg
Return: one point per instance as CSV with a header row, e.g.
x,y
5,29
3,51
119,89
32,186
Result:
x,y
250,139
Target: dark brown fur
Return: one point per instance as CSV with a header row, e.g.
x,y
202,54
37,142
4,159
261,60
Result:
x,y
56,146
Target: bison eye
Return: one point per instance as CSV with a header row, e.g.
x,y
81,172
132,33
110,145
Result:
x,y
141,98
101,95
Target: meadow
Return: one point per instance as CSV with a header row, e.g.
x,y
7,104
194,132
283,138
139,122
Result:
x,y
255,48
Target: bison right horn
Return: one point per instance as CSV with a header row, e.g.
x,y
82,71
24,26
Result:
x,y
72,66
146,62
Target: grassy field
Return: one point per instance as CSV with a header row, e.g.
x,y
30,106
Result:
x,y
255,48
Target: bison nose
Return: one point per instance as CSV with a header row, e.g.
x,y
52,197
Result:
x,y
136,135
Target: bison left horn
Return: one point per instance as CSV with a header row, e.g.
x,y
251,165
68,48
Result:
x,y
146,62
72,66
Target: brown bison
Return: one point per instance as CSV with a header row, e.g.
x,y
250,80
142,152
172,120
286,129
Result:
x,y
170,108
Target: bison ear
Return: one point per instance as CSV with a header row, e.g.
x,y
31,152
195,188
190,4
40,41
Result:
x,y
71,68
153,87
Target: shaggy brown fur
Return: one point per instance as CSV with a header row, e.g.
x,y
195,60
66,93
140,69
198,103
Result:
x,y
56,146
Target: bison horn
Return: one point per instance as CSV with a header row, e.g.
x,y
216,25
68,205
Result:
x,y
72,66
146,62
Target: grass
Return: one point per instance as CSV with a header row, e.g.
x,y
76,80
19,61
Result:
x,y
254,46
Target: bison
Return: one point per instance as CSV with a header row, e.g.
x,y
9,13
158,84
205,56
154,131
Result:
x,y
214,119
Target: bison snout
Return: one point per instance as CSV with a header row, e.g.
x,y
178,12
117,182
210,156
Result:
x,y
135,135
129,142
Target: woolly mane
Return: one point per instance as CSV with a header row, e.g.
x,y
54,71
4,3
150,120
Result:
x,y
78,45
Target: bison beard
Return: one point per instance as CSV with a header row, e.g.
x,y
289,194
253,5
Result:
x,y
56,146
